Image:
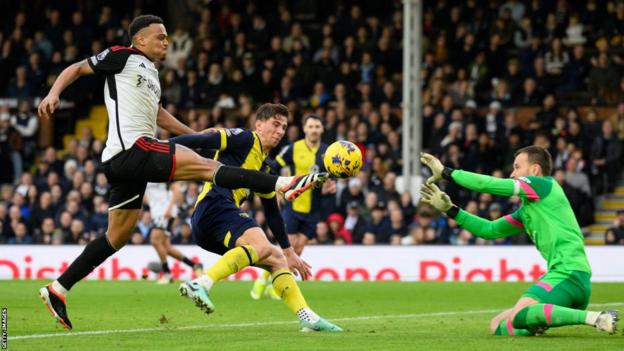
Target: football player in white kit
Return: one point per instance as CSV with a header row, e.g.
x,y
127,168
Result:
x,y
133,157
164,204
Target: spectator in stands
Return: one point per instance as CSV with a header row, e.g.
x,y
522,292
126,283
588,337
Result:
x,y
43,235
574,178
353,193
19,87
606,151
602,80
63,226
324,234
21,235
76,232
355,223
336,225
180,47
422,230
26,123
615,234
43,209
378,230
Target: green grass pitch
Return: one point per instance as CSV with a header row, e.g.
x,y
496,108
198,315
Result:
x,y
139,315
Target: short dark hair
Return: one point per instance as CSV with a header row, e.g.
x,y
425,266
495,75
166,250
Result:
x,y
141,22
268,110
310,116
537,155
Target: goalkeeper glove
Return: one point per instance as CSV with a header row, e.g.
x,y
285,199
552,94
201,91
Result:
x,y
432,195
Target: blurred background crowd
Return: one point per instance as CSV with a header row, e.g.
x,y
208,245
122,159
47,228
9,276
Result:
x,y
497,76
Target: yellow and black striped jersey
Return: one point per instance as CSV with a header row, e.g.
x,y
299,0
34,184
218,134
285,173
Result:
x,y
239,148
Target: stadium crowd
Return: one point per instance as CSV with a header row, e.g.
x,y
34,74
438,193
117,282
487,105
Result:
x,y
483,60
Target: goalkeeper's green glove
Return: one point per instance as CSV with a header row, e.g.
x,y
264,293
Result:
x,y
432,195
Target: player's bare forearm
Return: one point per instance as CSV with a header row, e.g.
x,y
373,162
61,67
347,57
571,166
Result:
x,y
483,183
69,75
51,102
484,228
171,124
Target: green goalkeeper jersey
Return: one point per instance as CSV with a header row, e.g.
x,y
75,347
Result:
x,y
545,215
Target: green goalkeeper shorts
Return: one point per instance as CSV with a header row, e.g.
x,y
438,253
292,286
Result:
x,y
567,289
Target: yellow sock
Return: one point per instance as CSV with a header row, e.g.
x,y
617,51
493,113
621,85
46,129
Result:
x,y
232,262
266,275
286,287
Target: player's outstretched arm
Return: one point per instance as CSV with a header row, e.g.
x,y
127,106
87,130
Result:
x,y
52,101
168,122
483,228
199,141
530,188
502,227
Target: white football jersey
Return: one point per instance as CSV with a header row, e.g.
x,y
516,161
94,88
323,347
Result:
x,y
131,94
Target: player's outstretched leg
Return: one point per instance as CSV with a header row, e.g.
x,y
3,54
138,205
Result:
x,y
289,187
549,315
190,166
54,294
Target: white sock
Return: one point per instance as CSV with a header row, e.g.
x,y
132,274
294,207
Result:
x,y
59,288
282,182
307,315
591,318
205,281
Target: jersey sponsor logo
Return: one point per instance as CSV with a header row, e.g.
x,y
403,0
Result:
x,y
233,131
151,86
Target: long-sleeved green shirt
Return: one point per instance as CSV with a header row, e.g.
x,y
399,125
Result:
x,y
545,215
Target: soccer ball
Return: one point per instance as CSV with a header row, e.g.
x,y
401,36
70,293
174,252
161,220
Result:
x,y
343,159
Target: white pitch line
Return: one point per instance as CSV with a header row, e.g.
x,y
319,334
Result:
x,y
261,324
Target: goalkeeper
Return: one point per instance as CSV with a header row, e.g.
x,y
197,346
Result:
x,y
561,296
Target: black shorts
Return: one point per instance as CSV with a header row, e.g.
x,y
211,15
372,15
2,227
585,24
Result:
x,y
297,222
217,223
128,172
